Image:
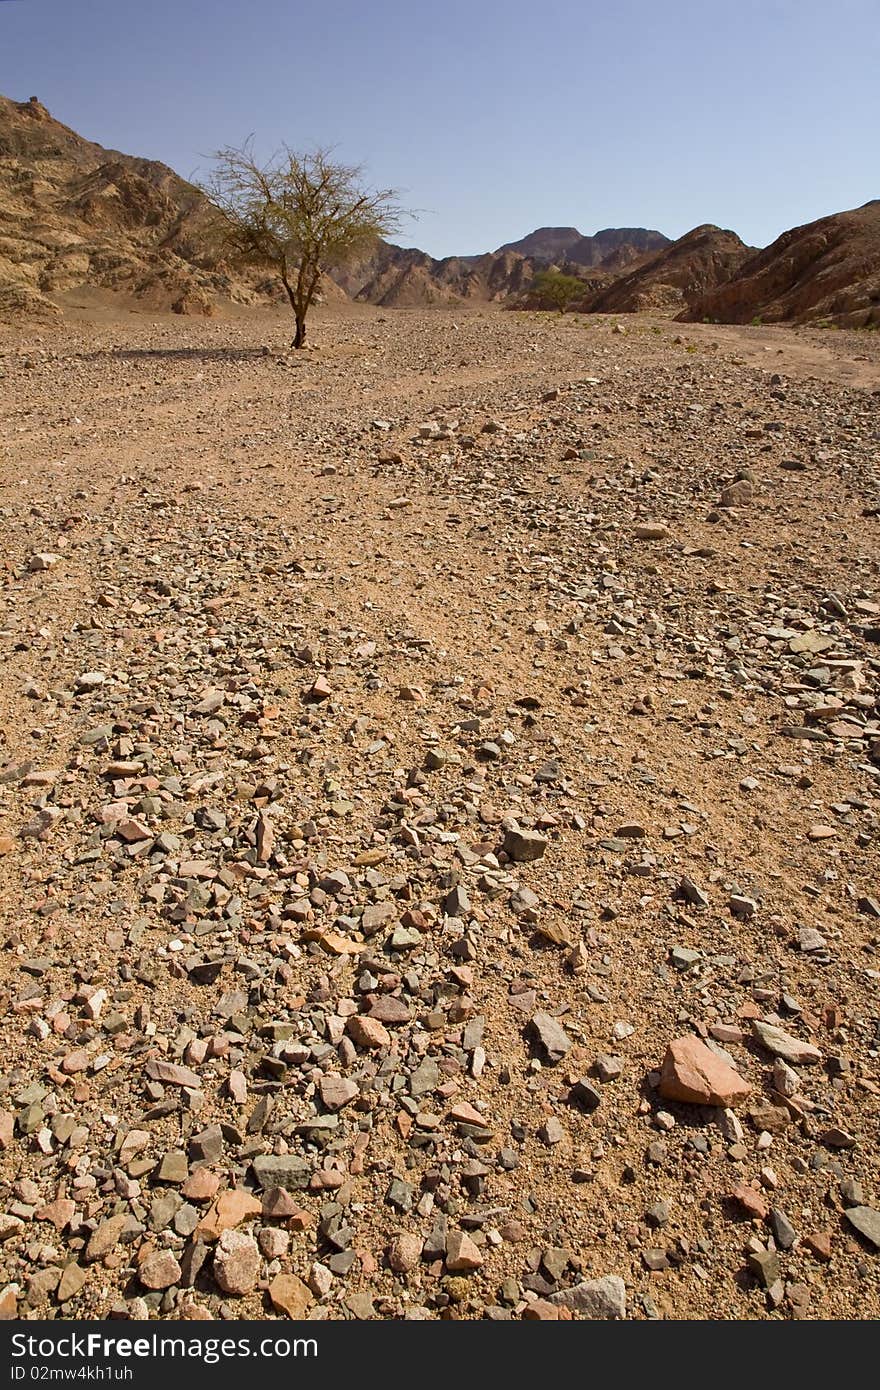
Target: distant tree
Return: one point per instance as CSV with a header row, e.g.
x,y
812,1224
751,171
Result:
x,y
551,286
302,214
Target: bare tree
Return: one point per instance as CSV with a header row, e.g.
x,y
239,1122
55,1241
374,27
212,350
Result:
x,y
302,214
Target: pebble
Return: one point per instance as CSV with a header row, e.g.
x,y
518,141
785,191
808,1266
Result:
x,y
595,1298
693,1073
290,1296
553,1039
866,1221
159,1270
237,1263
783,1045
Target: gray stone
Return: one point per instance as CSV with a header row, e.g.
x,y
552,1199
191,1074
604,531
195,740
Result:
x,y
866,1221
597,1298
552,1037
783,1231
282,1170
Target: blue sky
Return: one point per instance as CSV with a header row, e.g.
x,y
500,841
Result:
x,y
493,118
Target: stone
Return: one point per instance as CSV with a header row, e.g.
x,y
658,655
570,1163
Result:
x,y
750,1200
551,1132
389,1009
174,1167
105,1237
738,494
337,1091
229,1210
783,1045
290,1296
201,1186
865,1220
282,1170
9,1226
404,1253
73,1277
237,1263
172,1074
524,846
820,1244
552,1037
595,1298
692,1073
764,1265
784,1233
368,1032
274,1243
462,1255
159,1270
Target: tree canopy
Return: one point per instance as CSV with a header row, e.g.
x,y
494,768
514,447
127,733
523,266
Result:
x,y
557,289
302,214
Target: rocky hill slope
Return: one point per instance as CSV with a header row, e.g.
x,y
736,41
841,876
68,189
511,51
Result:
x,y
403,277
828,269
73,213
678,274
568,246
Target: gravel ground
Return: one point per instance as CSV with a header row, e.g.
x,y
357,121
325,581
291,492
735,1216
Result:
x,y
403,743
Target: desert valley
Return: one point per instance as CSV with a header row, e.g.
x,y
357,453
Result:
x,y
439,769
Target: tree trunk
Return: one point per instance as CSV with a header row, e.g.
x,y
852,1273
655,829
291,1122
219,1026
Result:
x,y
300,339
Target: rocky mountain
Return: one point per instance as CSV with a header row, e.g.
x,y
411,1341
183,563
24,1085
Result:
x,y
396,276
74,215
568,246
615,246
824,270
677,275
548,244
78,221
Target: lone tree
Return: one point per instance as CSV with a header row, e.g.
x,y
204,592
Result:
x,y
552,287
303,214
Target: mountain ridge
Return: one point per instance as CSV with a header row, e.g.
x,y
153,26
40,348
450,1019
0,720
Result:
x,y
78,219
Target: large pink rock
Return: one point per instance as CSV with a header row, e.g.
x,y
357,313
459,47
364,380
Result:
x,y
692,1072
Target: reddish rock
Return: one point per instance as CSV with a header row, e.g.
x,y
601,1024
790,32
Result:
x,y
279,1204
59,1212
172,1074
230,1209
466,1114
368,1032
76,1061
201,1186
237,1263
159,1270
390,1009
319,690
820,1245
751,1201
462,1255
404,1253
539,1310
693,1073
289,1295
337,1091
105,1237
9,1303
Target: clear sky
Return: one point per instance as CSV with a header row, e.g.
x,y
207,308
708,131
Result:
x,y
493,116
